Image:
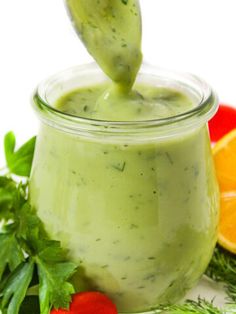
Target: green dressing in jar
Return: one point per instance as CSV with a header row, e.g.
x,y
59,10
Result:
x,y
123,173
135,202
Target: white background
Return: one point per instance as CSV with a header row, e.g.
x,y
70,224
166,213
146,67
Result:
x,y
37,40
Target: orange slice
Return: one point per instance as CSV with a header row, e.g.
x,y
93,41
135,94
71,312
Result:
x,y
225,162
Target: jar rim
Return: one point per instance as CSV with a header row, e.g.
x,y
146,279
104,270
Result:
x,y
205,108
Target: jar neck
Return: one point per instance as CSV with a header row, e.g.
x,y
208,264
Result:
x,y
52,89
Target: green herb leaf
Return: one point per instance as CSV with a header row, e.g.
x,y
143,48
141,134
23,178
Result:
x,y
10,253
125,1
19,162
50,251
54,270
16,287
53,286
223,269
12,197
30,229
9,146
7,197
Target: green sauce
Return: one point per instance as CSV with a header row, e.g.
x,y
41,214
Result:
x,y
111,31
140,215
145,102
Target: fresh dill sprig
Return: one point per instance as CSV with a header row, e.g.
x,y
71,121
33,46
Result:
x,y
222,268
201,306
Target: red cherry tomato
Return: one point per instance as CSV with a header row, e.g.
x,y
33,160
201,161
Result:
x,y
89,303
222,123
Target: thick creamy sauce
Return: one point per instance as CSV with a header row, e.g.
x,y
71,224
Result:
x,y
111,31
140,216
144,102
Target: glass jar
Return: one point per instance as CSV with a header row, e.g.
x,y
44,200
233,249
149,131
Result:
x,y
136,203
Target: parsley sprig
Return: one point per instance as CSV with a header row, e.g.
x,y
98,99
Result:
x,y
19,162
28,257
